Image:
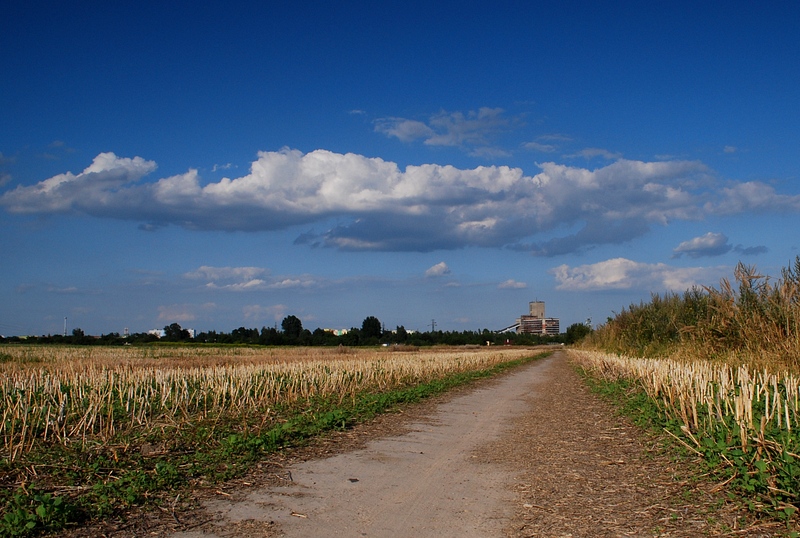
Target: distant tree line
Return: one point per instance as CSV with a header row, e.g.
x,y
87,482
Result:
x,y
292,333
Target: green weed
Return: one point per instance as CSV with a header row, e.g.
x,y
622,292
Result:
x,y
29,512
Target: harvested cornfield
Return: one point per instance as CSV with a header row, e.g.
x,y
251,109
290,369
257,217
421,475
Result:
x,y
741,421
71,395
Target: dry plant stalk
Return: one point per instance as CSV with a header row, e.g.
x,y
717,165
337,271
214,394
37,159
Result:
x,y
705,395
68,394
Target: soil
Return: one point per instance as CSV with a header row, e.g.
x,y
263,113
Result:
x,y
530,453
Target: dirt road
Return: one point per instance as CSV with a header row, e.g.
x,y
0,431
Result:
x,y
432,481
532,453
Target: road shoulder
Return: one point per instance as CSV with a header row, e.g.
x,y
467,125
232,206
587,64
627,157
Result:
x,y
586,471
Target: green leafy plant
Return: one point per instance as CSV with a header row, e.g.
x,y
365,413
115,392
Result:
x,y
29,512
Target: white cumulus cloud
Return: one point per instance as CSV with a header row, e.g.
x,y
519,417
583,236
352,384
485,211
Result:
x,y
247,279
230,278
512,285
538,146
752,196
591,153
621,273
710,244
107,175
379,206
214,274
303,282
440,269
403,129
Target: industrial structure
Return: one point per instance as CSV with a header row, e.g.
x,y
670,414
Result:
x,y
535,322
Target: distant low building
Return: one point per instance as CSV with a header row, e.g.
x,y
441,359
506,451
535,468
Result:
x,y
336,332
535,325
535,322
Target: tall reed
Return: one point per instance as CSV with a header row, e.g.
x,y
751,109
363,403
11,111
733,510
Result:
x,y
756,322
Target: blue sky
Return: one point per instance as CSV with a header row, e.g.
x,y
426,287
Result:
x,y
227,164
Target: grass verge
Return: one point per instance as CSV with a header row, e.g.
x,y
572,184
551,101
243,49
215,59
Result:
x,y
56,487
767,484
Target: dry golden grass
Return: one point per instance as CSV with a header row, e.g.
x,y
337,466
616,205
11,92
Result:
x,y
80,394
705,395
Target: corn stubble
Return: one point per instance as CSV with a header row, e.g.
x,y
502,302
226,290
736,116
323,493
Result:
x,y
74,395
705,396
